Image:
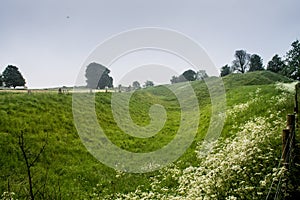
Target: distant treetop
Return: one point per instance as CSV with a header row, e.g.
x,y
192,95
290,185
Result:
x,y
241,61
149,83
12,77
136,85
98,76
225,70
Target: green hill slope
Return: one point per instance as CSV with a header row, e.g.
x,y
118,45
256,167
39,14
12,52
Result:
x,y
66,170
254,78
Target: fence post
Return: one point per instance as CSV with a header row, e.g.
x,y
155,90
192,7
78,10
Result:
x,y
291,126
296,109
285,146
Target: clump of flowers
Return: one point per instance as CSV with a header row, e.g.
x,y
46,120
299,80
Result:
x,y
7,196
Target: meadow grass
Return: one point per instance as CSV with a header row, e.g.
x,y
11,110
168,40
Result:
x,y
66,170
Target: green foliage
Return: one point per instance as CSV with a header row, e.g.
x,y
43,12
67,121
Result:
x,y
149,84
290,66
225,70
12,77
189,75
256,63
276,65
293,61
98,76
136,85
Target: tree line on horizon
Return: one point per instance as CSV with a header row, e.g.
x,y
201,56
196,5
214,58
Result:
x,y
189,75
288,66
97,75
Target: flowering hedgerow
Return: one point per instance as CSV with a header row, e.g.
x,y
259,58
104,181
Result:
x,y
242,166
238,168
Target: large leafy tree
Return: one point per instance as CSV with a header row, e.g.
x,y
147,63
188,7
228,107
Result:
x,y
12,77
241,61
189,75
293,61
256,63
225,70
98,76
276,64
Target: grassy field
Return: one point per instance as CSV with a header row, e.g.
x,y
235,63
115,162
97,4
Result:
x,y
242,165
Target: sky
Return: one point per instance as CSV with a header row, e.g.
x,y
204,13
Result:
x,y
50,40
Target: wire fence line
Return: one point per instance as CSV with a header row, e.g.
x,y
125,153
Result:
x,y
288,151
279,190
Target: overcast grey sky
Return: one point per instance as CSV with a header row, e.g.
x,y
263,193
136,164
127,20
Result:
x,y
49,40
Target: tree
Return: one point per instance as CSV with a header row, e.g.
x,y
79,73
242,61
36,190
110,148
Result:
x,y
276,64
128,89
136,85
149,83
189,75
256,63
12,77
241,62
98,76
31,159
178,79
293,61
201,75
1,81
174,79
225,70
120,88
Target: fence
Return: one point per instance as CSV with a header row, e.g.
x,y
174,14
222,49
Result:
x,y
288,149
288,141
289,134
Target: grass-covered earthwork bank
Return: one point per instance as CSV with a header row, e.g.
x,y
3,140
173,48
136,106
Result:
x,y
242,165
